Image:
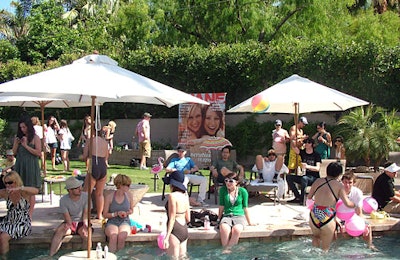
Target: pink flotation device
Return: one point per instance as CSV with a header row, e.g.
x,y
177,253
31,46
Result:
x,y
355,226
370,204
310,203
160,240
343,212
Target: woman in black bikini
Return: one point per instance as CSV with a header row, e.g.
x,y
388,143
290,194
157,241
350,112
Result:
x,y
326,192
178,213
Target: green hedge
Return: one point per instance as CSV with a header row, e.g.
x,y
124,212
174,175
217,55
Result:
x,y
366,70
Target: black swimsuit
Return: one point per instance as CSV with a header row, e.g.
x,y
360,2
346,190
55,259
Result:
x,y
178,230
322,215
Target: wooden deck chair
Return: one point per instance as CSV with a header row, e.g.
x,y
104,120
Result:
x,y
277,189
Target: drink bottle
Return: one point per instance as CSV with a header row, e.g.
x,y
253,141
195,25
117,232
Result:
x,y
206,222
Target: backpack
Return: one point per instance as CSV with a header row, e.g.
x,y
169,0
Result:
x,y
197,218
58,159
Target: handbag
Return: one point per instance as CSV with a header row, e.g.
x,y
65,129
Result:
x,y
47,147
71,138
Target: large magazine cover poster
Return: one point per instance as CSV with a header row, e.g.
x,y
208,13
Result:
x,y
202,127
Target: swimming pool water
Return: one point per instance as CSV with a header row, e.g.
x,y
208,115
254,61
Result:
x,y
301,248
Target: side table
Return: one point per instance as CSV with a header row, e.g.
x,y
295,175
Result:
x,y
51,180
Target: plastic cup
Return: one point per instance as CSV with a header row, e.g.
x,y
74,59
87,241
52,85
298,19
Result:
x,y
133,230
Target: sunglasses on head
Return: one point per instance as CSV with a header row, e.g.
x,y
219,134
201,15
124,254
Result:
x,y
230,180
8,182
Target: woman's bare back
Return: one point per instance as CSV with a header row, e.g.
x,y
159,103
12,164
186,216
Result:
x,y
325,196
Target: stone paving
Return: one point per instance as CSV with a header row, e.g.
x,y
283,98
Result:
x,y
274,221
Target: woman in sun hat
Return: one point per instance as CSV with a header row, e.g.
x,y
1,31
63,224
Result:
x,y
178,213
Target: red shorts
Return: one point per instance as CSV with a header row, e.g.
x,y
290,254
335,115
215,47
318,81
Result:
x,y
75,227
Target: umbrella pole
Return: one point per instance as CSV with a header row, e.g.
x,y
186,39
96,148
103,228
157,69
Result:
x,y
89,176
43,140
296,119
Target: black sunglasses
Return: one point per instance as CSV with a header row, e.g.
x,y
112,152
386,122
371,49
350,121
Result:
x,y
230,180
8,182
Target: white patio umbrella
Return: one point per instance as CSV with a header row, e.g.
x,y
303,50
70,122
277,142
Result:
x,y
295,95
96,78
307,95
26,101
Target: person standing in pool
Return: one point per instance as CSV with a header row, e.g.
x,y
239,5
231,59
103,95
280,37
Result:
x,y
178,212
326,192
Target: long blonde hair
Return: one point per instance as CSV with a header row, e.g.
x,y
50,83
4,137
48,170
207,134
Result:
x,y
112,126
14,176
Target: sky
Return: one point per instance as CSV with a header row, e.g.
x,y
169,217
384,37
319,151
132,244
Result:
x,y
5,4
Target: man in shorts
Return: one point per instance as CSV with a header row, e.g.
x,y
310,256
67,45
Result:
x,y
280,137
74,207
296,142
143,134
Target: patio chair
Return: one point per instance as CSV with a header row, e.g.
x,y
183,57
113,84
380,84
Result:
x,y
268,187
190,185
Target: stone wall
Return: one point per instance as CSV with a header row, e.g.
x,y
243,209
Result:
x,y
124,157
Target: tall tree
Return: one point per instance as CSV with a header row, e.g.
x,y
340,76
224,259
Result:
x,y
49,34
13,26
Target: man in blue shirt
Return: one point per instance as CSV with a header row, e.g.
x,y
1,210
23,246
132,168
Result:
x,y
187,166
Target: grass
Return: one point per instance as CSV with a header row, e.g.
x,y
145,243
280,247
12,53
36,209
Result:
x,y
136,175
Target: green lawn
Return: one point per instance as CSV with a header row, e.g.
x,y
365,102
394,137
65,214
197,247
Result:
x,y
135,174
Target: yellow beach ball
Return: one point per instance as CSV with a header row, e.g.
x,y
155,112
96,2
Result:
x,y
260,104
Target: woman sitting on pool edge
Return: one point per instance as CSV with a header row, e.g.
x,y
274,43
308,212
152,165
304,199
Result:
x,y
17,223
233,212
